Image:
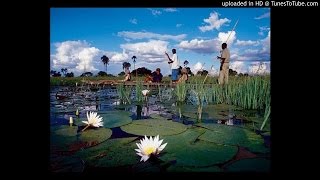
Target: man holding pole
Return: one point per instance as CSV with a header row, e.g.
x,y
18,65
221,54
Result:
x,y
224,66
175,65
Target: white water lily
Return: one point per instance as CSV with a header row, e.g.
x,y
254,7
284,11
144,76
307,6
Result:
x,y
93,120
145,92
149,146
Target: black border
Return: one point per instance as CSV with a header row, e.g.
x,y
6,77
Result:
x,y
290,27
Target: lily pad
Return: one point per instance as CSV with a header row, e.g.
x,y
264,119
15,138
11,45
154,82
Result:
x,y
66,164
250,165
111,153
175,168
231,135
153,127
64,130
187,150
95,135
111,119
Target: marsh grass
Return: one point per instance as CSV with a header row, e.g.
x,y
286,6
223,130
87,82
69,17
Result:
x,y
124,94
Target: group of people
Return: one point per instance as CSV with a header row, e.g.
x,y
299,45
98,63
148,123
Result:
x,y
156,76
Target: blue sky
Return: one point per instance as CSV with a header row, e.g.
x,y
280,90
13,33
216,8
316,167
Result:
x,y
80,36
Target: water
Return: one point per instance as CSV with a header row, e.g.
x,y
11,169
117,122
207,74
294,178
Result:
x,y
65,101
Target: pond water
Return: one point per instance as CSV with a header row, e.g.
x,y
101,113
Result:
x,y
224,140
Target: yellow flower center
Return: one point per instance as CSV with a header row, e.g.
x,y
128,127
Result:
x,y
149,150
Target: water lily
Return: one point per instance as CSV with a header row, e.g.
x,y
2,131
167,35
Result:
x,y
149,146
145,92
93,120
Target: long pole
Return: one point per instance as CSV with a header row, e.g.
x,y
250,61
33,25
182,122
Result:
x,y
232,30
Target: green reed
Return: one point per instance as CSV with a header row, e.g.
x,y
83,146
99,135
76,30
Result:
x,y
124,94
181,91
139,88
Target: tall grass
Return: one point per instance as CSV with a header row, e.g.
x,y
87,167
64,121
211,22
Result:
x,y
247,92
139,88
124,94
181,92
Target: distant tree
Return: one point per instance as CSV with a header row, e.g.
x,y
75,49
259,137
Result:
x,y
134,63
202,73
232,72
57,74
86,74
126,65
102,73
64,71
105,61
142,71
52,72
70,74
185,63
121,74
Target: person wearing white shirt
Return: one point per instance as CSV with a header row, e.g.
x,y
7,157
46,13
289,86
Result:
x,y
224,67
174,61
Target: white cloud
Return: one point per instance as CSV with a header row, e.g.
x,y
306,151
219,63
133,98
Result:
x,y
133,21
149,35
208,46
152,51
119,57
266,44
197,67
238,66
265,15
214,22
223,37
170,10
262,30
247,43
76,56
213,72
155,12
259,68
178,25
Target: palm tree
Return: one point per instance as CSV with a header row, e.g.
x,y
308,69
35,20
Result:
x,y
64,71
185,63
126,65
134,63
105,61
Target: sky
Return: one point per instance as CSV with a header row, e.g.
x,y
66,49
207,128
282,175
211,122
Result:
x,y
79,37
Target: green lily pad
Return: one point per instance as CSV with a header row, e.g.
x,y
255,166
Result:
x,y
111,153
231,135
219,111
187,150
61,137
153,127
64,130
175,168
95,136
110,119
66,164
250,165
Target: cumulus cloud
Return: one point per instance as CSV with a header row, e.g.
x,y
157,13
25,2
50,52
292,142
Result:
x,y
259,68
213,22
155,12
238,66
197,67
247,43
133,21
265,15
151,51
208,46
178,25
170,10
76,56
262,30
150,35
213,72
